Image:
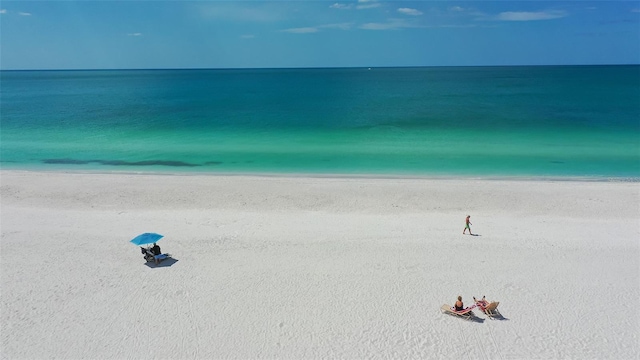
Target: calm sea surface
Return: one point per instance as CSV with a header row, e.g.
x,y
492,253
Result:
x,y
563,121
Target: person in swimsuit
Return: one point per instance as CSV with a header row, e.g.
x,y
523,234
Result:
x,y
466,226
481,303
459,306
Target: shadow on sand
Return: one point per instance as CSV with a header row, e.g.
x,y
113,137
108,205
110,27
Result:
x,y
472,317
164,263
476,319
497,316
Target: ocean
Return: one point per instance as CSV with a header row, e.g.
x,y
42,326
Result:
x,y
528,121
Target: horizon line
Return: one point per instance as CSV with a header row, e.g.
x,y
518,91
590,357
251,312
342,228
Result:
x,y
319,68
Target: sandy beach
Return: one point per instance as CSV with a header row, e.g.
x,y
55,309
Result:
x,y
270,267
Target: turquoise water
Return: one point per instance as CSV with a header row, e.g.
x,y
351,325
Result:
x,y
469,121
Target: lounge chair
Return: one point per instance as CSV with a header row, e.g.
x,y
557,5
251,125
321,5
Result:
x,y
489,308
150,256
466,313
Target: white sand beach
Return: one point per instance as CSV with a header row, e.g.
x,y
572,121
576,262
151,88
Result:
x,y
269,267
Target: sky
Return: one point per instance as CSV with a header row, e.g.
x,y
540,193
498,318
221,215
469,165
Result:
x,y
140,34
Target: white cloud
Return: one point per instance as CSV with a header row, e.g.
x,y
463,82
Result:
x,y
635,10
377,26
408,11
459,26
367,4
391,24
314,29
3,11
302,30
341,6
530,16
362,4
134,34
456,8
339,26
24,13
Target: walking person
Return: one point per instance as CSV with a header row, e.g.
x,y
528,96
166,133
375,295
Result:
x,y
467,225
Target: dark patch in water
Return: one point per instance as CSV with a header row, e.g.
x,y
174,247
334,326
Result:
x,y
213,163
556,162
65,161
145,163
119,162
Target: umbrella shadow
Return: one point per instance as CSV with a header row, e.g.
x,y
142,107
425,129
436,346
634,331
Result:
x,y
164,263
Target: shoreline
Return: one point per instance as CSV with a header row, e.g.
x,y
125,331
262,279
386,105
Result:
x,y
605,179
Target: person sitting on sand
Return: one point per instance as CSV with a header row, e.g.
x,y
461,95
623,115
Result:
x,y
459,306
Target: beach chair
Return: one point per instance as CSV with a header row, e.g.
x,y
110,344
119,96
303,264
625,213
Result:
x,y
492,309
150,256
489,308
466,314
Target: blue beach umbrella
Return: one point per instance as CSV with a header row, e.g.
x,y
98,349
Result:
x,y
146,238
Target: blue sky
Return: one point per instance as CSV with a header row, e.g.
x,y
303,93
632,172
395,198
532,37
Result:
x,y
365,33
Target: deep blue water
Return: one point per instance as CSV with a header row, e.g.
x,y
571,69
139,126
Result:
x,y
470,121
